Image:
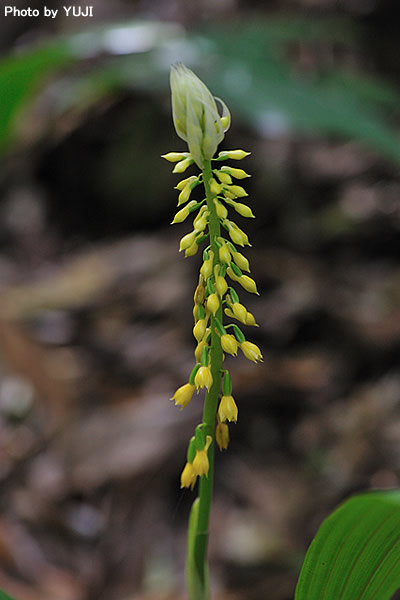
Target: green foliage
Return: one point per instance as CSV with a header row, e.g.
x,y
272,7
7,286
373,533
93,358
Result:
x,y
4,596
356,552
20,76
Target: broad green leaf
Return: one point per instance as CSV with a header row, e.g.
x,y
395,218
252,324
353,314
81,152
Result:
x,y
355,555
20,75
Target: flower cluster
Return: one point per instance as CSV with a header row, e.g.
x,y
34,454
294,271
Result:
x,y
197,120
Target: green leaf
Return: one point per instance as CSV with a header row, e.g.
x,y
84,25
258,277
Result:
x,y
4,596
356,552
20,75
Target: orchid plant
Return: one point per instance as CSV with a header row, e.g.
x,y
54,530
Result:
x,y
202,120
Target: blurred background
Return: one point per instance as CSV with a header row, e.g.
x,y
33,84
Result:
x,y
95,302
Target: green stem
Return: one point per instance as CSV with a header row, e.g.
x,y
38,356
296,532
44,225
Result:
x,y
200,540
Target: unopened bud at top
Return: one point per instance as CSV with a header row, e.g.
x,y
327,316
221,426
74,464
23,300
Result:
x,y
195,114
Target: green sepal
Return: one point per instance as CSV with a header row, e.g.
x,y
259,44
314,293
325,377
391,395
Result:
x,y
199,437
236,269
200,312
204,357
196,206
205,255
194,373
209,287
221,329
191,451
199,240
232,246
195,183
227,384
224,226
222,272
239,334
218,243
233,295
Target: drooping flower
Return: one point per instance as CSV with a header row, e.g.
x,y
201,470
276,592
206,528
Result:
x,y
201,464
227,410
183,395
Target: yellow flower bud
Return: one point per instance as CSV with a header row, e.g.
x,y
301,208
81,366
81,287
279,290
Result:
x,y
235,191
184,195
233,154
251,351
224,254
199,350
175,156
227,410
201,221
187,240
213,303
232,275
215,188
207,266
201,463
182,214
220,285
241,261
229,344
236,234
181,166
223,176
188,476
203,378
183,395
195,114
250,320
237,173
248,284
192,250
184,182
222,435
221,210
199,329
243,210
239,311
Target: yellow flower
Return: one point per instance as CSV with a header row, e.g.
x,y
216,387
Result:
x,y
220,209
175,156
195,114
241,261
243,210
223,176
199,350
185,182
203,378
182,165
201,463
187,240
188,476
229,344
199,329
251,351
239,311
220,285
227,410
224,254
184,195
222,435
183,395
236,234
192,250
233,154
182,214
248,284
213,303
215,187
235,191
237,173
250,320
207,266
